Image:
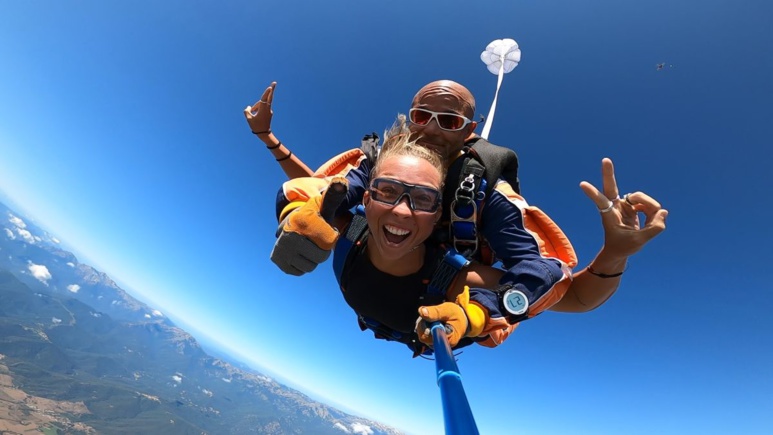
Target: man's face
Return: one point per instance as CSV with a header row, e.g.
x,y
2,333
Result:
x,y
443,97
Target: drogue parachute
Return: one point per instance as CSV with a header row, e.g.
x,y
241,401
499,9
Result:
x,y
501,56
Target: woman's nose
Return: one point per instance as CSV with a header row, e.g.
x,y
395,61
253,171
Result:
x,y
403,206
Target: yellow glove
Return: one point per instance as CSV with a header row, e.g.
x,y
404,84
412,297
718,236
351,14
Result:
x,y
306,236
461,319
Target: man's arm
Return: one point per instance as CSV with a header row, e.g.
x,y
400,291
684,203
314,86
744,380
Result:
x,y
304,239
540,279
533,280
355,169
259,119
589,291
623,237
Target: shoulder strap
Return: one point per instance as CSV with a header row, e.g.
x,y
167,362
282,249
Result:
x,y
370,146
500,162
463,197
478,170
356,231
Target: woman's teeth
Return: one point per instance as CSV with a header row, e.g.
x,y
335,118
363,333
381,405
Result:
x,y
396,231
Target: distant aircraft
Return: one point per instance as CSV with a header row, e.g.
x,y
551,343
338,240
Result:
x,y
661,66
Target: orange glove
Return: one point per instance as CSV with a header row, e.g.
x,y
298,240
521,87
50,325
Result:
x,y
306,236
450,314
461,319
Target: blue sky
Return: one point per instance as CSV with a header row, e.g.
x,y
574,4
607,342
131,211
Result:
x,y
121,131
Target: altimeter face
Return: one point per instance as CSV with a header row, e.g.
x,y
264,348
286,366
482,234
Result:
x,y
515,302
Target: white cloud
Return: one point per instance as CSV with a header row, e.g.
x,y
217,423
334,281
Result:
x,y
55,240
10,234
226,380
73,288
71,264
158,313
207,392
55,320
342,427
147,316
40,272
265,378
96,314
17,221
177,378
363,429
26,235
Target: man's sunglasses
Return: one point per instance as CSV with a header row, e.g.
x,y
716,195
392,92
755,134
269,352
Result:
x,y
446,121
420,198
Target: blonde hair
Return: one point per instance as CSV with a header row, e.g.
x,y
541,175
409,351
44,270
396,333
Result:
x,y
398,142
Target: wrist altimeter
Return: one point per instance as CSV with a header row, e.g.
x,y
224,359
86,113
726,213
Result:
x,y
514,302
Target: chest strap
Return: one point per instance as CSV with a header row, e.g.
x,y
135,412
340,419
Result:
x,y
445,272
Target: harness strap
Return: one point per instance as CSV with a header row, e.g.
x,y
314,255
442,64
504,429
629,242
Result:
x,y
445,273
468,199
500,162
386,333
356,230
380,330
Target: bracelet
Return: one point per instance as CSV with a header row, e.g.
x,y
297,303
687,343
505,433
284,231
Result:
x,y
603,275
261,132
288,156
275,146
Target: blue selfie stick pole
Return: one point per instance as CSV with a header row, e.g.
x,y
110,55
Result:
x,y
457,415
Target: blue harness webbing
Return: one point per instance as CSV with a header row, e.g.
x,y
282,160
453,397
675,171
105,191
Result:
x,y
445,273
354,233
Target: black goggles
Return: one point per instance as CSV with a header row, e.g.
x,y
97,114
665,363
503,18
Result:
x,y
420,198
446,121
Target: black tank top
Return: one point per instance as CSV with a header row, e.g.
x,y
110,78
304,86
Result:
x,y
393,301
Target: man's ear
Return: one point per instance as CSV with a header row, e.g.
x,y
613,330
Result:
x,y
471,130
366,198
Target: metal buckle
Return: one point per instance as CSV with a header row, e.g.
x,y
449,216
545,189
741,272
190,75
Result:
x,y
466,191
472,218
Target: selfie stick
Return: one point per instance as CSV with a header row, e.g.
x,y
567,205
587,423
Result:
x,y
457,415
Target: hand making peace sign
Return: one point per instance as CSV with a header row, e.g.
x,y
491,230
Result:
x,y
623,234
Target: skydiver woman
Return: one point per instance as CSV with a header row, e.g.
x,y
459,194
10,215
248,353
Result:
x,y
386,275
